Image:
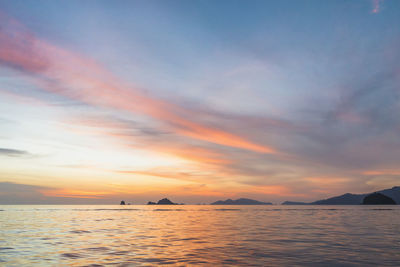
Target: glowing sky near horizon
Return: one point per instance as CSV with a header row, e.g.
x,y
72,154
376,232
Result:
x,y
198,100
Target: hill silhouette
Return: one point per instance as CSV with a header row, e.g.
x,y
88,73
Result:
x,y
164,201
351,199
378,199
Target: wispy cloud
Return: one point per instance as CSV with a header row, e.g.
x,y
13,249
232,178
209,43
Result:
x,y
168,173
70,193
382,173
132,134
13,152
74,76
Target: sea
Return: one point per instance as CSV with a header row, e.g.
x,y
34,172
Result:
x,y
199,235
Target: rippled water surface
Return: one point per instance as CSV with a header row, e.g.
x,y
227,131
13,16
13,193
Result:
x,y
199,235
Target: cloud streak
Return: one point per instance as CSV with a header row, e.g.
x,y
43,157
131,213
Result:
x,y
66,73
13,152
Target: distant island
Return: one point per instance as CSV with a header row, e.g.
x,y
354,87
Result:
x,y
240,201
353,199
164,201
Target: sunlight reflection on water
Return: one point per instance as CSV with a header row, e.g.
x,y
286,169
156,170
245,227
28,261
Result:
x,y
199,235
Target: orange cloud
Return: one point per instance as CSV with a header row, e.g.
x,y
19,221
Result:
x,y
278,190
194,189
120,129
193,153
74,76
171,174
381,172
137,190
73,193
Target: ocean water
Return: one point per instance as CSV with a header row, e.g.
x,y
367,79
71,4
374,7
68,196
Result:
x,y
199,235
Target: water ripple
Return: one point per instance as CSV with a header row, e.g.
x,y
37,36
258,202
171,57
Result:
x,y
98,249
168,210
200,235
79,231
71,255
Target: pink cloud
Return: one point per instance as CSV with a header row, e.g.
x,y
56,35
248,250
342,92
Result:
x,y
77,77
376,6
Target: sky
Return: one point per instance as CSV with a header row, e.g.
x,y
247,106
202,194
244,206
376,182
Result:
x,y
197,100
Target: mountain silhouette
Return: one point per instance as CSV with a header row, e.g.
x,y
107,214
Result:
x,y
240,201
351,199
346,199
378,199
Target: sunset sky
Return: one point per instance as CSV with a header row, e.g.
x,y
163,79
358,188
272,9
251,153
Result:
x,y
197,100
